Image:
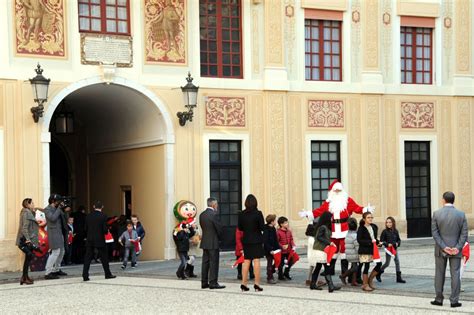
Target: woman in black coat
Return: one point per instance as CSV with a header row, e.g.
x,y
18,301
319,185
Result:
x,y
366,236
252,225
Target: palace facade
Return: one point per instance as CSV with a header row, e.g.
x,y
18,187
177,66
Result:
x,y
292,94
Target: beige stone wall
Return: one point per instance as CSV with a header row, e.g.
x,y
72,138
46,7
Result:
x,y
143,170
276,118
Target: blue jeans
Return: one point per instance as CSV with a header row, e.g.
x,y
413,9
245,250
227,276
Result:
x,y
127,252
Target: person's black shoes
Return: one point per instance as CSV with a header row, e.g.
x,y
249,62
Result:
x,y
110,277
204,286
457,304
51,276
86,279
59,273
216,286
436,303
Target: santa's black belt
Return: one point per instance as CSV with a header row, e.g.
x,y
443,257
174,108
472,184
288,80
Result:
x,y
340,220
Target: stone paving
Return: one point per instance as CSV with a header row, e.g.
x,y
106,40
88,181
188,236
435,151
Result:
x,y
153,288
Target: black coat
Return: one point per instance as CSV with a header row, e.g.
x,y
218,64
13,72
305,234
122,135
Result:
x,y
270,239
390,236
96,228
181,240
365,242
211,229
251,223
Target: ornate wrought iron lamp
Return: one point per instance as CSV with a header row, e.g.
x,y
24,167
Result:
x,y
40,87
190,92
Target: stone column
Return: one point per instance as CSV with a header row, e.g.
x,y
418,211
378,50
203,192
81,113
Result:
x,y
371,71
275,73
463,46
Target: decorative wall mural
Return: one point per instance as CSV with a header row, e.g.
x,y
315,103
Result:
x,y
165,31
325,113
39,26
417,115
225,111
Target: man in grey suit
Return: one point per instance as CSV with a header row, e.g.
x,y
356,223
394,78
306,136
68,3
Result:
x,y
56,224
211,233
449,229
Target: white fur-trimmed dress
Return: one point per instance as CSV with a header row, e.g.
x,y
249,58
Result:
x,y
315,256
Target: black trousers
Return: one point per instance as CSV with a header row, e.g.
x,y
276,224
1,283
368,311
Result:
x,y
102,253
26,264
210,266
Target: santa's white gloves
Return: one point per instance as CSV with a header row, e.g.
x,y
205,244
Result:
x,y
306,214
369,208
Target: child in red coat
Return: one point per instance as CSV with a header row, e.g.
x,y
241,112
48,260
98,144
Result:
x,y
239,251
287,245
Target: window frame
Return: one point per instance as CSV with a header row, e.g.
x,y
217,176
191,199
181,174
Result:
x,y
321,67
418,221
414,70
227,165
324,164
220,42
103,17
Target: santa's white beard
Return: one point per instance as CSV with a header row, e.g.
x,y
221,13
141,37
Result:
x,y
337,201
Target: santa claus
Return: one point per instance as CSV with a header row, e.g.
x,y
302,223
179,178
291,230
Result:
x,y
341,207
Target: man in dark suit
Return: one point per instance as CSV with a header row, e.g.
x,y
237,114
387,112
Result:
x,y
211,233
96,229
449,229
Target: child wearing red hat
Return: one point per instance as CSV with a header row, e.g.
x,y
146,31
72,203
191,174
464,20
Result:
x,y
287,244
390,238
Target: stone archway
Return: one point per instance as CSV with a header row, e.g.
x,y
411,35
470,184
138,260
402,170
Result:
x,y
167,140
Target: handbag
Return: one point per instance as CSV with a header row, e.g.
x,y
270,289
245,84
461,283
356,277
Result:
x,y
27,248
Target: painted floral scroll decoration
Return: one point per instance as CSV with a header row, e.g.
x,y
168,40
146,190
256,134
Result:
x,y
325,113
225,111
165,39
39,26
417,115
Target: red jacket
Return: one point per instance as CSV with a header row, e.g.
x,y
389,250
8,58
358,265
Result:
x,y
339,230
285,237
238,242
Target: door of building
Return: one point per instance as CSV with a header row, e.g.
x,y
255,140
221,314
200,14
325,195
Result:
x,y
417,188
226,185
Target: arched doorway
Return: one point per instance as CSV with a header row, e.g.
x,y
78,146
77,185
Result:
x,y
123,137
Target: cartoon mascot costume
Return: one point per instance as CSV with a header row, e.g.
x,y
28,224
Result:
x,y
185,212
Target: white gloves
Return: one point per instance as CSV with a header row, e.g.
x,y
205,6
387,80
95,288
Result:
x,y
306,214
369,208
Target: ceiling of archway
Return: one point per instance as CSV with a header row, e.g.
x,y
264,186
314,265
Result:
x,y
115,117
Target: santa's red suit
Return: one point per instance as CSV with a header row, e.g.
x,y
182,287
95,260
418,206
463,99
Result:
x,y
341,207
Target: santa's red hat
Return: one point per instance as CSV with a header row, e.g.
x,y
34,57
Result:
x,y
391,251
239,261
293,257
466,251
109,238
335,185
376,255
277,257
330,250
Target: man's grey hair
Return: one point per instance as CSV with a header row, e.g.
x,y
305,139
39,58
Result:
x,y
211,201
